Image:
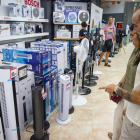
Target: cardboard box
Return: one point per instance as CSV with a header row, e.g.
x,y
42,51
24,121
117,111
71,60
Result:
x,y
71,16
4,30
63,34
27,11
75,35
77,28
59,5
41,13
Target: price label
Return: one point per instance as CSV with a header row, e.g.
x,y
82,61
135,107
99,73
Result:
x,y
30,19
68,86
7,18
13,72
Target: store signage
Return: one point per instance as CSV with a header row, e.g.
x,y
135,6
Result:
x,y
31,3
76,5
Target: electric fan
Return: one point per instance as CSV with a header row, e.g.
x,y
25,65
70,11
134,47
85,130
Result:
x,y
72,17
11,10
81,55
97,49
28,12
35,12
83,16
13,29
18,11
21,29
58,17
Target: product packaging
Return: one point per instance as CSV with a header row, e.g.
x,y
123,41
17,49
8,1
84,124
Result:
x,y
59,5
27,11
4,30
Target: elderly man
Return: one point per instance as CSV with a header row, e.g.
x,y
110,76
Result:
x,y
131,123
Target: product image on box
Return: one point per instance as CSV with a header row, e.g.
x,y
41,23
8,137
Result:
x,y
17,28
29,28
27,11
4,30
35,12
83,16
59,5
41,13
71,16
39,28
58,17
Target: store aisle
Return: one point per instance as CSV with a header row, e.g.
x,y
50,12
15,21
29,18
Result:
x,y
94,120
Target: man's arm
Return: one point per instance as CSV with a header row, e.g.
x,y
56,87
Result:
x,y
114,38
120,83
131,96
81,37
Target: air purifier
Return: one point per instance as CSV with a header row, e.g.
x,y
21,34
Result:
x,y
35,12
64,90
24,100
48,110
83,16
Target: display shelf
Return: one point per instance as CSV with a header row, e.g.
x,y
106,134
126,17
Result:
x,y
66,39
6,18
59,23
15,37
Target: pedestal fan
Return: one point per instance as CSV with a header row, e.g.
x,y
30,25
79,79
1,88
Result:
x,y
81,55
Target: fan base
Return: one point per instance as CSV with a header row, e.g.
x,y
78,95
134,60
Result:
x,y
71,110
97,72
90,83
79,101
93,77
63,122
46,137
46,125
84,91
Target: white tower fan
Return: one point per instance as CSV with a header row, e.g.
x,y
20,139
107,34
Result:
x,y
81,55
63,118
83,16
48,98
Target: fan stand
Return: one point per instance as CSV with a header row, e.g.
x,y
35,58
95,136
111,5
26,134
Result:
x,y
90,82
84,90
78,100
96,72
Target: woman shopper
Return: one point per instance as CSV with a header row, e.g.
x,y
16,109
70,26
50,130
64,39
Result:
x,y
127,83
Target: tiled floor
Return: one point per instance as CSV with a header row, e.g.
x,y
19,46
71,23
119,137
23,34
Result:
x,y
93,120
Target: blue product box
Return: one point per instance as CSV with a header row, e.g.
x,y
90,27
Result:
x,y
71,16
54,88
25,55
47,87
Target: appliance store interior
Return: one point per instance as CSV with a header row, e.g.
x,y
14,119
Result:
x,y
59,60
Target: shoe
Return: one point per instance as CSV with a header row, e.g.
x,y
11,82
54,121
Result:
x,y
106,64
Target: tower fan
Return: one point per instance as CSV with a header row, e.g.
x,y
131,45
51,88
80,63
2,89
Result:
x,y
55,92
81,56
83,16
98,48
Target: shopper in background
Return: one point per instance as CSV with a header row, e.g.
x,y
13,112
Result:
x,y
109,31
126,83
83,32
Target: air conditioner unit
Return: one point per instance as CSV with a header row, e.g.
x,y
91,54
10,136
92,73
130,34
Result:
x,y
83,16
63,118
8,101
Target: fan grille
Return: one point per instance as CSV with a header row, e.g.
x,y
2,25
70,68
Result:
x,y
83,17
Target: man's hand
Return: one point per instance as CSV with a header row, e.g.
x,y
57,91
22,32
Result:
x,y
110,88
124,112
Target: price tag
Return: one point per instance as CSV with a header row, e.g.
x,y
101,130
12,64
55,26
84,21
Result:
x,y
13,72
44,94
68,86
72,77
7,18
30,19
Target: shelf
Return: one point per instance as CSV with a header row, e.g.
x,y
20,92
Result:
x,y
14,37
18,19
58,23
66,39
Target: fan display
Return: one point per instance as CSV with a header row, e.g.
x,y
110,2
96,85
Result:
x,y
58,17
27,10
35,12
83,16
12,9
29,28
71,16
81,56
18,11
4,29
17,28
59,5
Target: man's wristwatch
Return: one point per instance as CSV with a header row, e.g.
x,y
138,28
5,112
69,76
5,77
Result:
x,y
115,92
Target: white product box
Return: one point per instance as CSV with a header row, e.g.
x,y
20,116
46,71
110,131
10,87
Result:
x,y
75,35
4,29
4,11
1,131
27,11
17,28
77,28
63,34
41,13
15,10
29,28
35,12
59,5
58,16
